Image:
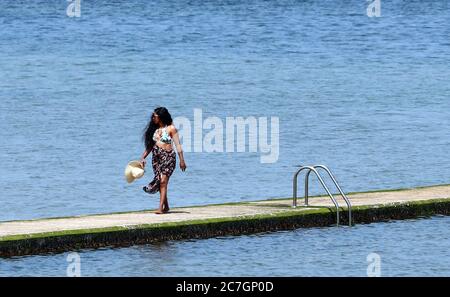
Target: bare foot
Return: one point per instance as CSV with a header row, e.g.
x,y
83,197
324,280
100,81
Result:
x,y
159,211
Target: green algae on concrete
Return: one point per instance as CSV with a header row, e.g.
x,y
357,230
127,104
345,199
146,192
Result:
x,y
60,241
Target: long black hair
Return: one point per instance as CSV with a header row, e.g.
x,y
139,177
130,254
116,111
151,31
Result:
x,y
164,117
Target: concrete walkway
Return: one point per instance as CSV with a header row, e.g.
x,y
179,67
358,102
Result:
x,y
129,220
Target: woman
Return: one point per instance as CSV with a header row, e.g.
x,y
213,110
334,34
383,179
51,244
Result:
x,y
158,137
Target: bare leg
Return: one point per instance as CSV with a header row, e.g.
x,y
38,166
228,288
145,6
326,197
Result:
x,y
166,200
163,201
166,205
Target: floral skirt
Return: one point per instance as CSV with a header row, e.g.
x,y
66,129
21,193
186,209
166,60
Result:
x,y
163,162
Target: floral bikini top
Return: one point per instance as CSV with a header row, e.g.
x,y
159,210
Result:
x,y
165,137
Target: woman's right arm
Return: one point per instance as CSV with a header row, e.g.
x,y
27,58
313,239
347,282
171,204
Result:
x,y
144,155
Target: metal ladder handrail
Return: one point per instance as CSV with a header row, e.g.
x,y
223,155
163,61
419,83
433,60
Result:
x,y
311,168
333,178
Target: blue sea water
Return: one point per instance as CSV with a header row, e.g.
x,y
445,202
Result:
x,y
369,97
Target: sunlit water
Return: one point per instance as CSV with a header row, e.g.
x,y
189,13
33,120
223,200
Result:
x,y
366,96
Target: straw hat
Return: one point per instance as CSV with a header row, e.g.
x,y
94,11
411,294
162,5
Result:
x,y
134,170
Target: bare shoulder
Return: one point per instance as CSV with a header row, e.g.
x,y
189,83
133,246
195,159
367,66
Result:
x,y
172,130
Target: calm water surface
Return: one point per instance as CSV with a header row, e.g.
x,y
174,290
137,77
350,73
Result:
x,y
369,97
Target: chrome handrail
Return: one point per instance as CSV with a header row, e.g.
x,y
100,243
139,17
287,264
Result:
x,y
311,168
333,178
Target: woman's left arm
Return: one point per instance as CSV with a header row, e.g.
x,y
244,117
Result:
x,y
176,139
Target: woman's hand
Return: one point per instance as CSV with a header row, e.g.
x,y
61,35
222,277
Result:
x,y
182,165
143,156
143,162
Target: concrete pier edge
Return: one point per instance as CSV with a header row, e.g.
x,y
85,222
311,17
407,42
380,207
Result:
x,y
72,240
